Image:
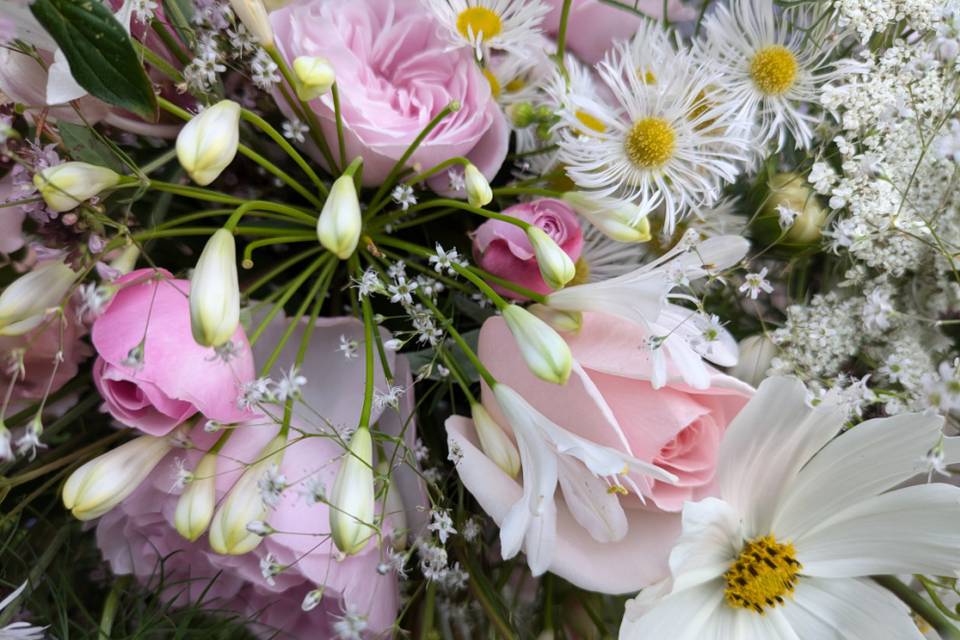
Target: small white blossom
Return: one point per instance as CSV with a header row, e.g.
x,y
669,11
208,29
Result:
x,y
314,491
457,180
401,291
471,530
272,485
350,626
253,393
270,569
754,283
295,130
182,476
289,385
403,195
442,524
312,599
786,216
348,348
390,398
265,73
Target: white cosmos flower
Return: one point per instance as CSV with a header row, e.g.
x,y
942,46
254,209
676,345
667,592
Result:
x,y
506,25
641,296
800,522
589,475
672,142
773,66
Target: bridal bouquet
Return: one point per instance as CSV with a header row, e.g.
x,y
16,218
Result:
x,y
451,319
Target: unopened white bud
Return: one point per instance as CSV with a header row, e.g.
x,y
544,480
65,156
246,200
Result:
x,y
756,353
566,321
65,186
494,440
127,260
617,219
314,75
479,193
545,352
352,499
25,302
312,599
253,15
556,267
197,502
393,344
104,482
214,291
244,503
338,227
208,143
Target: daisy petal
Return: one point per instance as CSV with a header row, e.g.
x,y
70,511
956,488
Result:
x,y
709,544
681,616
767,444
878,536
871,458
848,610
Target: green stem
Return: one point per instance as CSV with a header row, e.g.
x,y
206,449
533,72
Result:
x,y
110,606
288,293
276,207
458,376
920,606
186,191
275,135
463,206
523,191
271,275
420,177
467,351
562,38
341,143
368,353
284,177
266,242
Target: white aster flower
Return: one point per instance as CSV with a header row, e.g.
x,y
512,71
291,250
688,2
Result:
x,y
19,630
506,25
674,142
772,65
802,519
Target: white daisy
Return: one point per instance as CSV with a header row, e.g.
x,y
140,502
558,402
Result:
x,y
773,66
653,142
801,520
505,25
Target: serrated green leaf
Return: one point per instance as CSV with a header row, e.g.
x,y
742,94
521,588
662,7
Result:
x,y
101,57
83,144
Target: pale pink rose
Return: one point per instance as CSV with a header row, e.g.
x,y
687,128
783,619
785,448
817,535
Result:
x,y
63,335
504,250
11,218
609,401
177,377
594,26
395,72
135,535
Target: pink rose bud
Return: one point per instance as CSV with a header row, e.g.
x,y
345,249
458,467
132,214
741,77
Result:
x,y
150,371
504,249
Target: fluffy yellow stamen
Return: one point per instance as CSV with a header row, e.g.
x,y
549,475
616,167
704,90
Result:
x,y
763,573
477,20
774,70
650,143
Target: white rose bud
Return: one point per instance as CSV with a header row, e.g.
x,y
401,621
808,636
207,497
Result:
x,y
545,352
228,530
104,482
197,502
566,321
214,292
314,75
25,302
494,440
756,353
479,193
338,227
352,499
556,267
617,219
253,15
66,185
208,143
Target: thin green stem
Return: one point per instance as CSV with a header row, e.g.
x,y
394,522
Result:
x,y
467,351
527,191
420,177
284,177
368,354
276,207
110,606
270,276
341,142
266,242
275,135
291,288
920,606
562,38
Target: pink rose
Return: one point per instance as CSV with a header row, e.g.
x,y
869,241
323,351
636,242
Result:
x,y
609,401
504,250
395,72
176,377
593,26
140,531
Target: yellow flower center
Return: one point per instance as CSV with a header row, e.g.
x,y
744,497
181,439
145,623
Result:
x,y
591,122
516,84
762,574
774,70
477,20
650,142
647,76
494,83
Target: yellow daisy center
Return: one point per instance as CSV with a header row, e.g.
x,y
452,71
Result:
x,y
477,20
764,572
591,122
494,83
774,70
650,142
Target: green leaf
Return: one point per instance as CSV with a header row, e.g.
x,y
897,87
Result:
x,y
101,57
83,144
178,13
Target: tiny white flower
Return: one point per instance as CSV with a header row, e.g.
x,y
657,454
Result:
x,y
457,181
290,384
401,291
295,130
270,568
403,195
272,485
312,599
786,216
754,283
348,348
